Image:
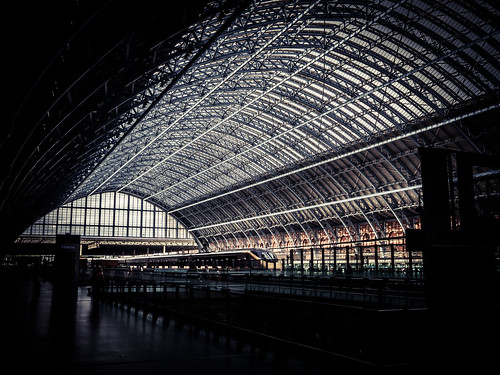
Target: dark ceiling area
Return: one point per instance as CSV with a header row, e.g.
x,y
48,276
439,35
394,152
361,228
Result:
x,y
72,67
244,118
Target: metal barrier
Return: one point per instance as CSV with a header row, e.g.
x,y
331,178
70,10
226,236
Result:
x,y
368,292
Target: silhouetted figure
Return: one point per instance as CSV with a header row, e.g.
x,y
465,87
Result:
x,y
96,280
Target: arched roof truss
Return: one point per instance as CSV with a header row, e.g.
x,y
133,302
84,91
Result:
x,y
304,114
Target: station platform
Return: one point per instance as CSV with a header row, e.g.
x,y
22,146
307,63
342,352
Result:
x,y
46,329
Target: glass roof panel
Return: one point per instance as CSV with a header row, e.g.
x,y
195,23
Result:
x,y
283,86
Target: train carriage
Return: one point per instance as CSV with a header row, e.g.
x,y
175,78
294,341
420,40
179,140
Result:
x,y
233,259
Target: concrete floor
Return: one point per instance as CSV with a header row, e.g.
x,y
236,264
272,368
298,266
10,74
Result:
x,y
57,330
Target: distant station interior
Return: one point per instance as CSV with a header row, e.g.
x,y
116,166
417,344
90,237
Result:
x,y
251,187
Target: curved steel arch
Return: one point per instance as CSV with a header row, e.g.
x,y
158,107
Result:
x,y
287,104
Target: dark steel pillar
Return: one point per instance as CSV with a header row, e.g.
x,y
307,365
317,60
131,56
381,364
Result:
x,y
67,259
361,259
323,265
393,265
347,265
410,263
301,260
458,261
311,261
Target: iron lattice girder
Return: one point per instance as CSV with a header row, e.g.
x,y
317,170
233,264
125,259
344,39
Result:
x,y
334,184
255,104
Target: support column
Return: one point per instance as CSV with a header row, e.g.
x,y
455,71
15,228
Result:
x,y
323,265
67,259
462,305
361,260
393,266
311,261
301,260
410,263
347,265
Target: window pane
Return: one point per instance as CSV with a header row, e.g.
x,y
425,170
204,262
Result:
x,y
131,217
160,219
183,233
78,216
120,232
121,218
50,230
64,215
171,223
92,217
172,233
63,229
78,230
134,232
79,203
148,219
106,231
122,201
135,203
93,201
108,200
107,217
37,229
92,231
134,218
51,217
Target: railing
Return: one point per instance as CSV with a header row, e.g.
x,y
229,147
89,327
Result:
x,y
360,291
351,290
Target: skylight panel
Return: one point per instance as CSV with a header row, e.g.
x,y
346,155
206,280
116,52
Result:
x,y
315,145
349,76
340,136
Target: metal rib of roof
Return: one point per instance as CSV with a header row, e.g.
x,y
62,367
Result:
x,y
288,116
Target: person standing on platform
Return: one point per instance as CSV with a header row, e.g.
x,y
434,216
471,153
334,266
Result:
x,y
97,280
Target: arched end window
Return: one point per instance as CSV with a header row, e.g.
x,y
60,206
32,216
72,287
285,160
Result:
x,y
109,215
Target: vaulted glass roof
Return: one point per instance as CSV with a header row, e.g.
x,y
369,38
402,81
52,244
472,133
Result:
x,y
302,114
